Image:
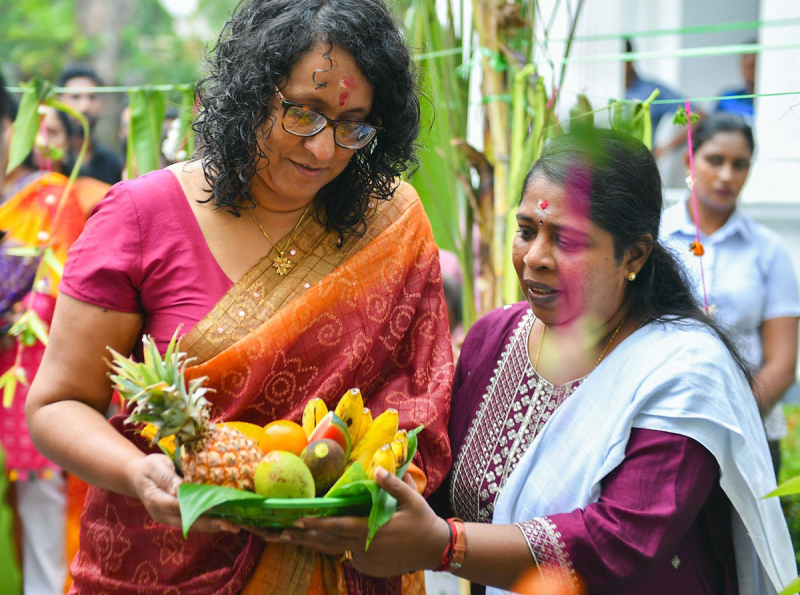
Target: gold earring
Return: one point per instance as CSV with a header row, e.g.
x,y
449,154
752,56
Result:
x,y
632,276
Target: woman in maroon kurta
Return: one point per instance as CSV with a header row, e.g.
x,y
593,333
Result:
x,y
603,429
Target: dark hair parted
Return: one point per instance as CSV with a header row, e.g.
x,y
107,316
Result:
x,y
718,122
625,199
74,71
256,52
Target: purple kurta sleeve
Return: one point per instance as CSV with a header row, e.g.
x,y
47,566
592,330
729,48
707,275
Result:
x,y
657,519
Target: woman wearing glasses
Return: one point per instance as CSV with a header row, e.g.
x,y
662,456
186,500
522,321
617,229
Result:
x,y
296,265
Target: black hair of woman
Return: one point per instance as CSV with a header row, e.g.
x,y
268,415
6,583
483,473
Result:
x,y
626,201
718,122
255,53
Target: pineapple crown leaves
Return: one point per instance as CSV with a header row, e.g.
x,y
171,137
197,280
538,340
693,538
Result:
x,y
158,391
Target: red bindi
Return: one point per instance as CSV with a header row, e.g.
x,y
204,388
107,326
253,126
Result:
x,y
544,203
343,97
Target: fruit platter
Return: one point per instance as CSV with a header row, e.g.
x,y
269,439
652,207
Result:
x,y
267,476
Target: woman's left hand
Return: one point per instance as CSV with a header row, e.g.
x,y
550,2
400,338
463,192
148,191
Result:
x,y
414,538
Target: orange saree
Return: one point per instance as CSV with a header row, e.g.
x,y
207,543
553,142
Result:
x,y
368,314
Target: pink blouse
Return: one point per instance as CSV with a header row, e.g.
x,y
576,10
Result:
x,y
142,251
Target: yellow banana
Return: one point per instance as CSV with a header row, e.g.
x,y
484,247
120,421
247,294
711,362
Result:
x,y
351,409
382,431
383,457
366,422
400,448
315,410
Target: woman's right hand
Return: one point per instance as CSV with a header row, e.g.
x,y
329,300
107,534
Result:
x,y
154,481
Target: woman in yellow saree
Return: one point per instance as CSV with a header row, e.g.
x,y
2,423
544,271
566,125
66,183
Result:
x,y
309,114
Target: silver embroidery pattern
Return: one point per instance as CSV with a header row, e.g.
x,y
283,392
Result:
x,y
547,548
516,405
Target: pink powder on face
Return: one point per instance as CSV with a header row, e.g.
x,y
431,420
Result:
x,y
343,97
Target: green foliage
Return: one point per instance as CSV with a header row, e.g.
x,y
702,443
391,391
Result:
x,y
147,120
442,179
790,468
40,36
152,53
26,125
681,117
9,570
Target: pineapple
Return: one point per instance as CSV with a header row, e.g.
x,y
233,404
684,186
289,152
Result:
x,y
209,453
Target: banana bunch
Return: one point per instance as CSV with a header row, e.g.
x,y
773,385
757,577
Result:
x,y
375,443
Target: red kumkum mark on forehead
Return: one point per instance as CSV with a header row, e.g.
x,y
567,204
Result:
x,y
543,204
346,83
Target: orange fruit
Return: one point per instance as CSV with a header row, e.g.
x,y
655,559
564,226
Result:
x,y
283,435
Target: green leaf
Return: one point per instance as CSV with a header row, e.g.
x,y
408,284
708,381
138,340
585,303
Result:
x,y
352,474
9,381
787,488
24,251
26,124
792,588
185,132
52,262
147,120
196,499
37,327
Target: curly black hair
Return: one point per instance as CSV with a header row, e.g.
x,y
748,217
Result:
x,y
255,53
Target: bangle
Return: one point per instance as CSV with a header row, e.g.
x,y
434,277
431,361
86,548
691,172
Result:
x,y
459,543
447,556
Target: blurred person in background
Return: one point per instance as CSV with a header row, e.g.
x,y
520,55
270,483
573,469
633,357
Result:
x,y
750,281
640,88
101,163
9,555
29,199
742,106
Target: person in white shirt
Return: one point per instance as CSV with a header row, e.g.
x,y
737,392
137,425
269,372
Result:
x,y
750,283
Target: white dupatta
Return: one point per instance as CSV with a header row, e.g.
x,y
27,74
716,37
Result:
x,y
676,378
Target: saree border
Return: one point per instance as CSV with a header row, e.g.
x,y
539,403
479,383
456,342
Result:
x,y
261,292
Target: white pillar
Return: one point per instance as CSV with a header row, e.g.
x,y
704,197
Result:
x,y
777,126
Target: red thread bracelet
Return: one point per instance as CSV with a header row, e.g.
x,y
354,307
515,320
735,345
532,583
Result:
x,y
447,556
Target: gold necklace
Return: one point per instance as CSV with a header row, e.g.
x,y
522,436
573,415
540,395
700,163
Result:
x,y
281,263
602,355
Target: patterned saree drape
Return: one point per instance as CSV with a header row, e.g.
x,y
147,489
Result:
x,y
368,314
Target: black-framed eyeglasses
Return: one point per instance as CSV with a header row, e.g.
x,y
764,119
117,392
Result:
x,y
302,120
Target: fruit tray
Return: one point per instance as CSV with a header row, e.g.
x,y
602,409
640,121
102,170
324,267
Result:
x,y
268,513
361,498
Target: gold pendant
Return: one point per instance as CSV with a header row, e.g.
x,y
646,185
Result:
x,y
283,265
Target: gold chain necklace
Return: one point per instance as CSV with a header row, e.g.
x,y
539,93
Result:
x,y
602,355
281,263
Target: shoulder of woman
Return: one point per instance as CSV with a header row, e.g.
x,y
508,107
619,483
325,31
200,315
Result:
x,y
687,341
405,193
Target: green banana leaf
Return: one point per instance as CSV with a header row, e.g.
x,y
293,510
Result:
x,y
147,119
787,488
9,570
792,588
185,132
26,124
196,500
